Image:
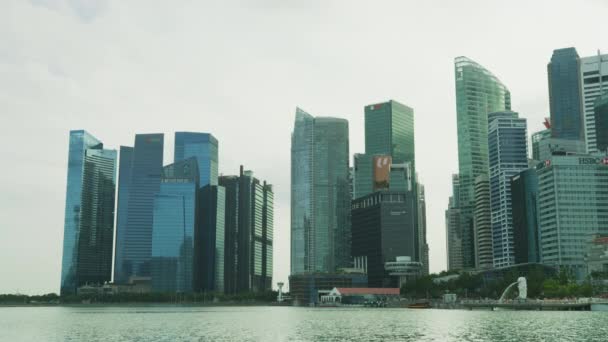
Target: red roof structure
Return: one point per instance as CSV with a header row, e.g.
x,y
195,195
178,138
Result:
x,y
367,291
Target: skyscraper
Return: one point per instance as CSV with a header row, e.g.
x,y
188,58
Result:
x,y
202,146
89,213
508,149
601,123
482,223
537,139
452,226
389,130
174,224
524,199
478,93
572,207
565,95
594,83
320,196
138,184
249,222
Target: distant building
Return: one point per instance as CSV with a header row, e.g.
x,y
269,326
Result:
x,y
508,152
307,289
320,194
601,122
404,269
383,225
173,232
594,83
361,296
453,231
89,213
138,184
524,199
248,239
422,241
537,137
572,202
478,93
567,121
202,146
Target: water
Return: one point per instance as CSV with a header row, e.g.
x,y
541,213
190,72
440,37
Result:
x,y
169,323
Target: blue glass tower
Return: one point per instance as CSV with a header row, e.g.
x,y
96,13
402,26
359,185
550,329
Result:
x,y
508,155
565,95
139,182
174,222
202,146
89,213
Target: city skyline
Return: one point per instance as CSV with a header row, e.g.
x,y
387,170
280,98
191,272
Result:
x,y
52,88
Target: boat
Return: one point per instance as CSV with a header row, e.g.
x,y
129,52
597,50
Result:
x,y
421,305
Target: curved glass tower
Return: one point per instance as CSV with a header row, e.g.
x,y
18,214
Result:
x,y
89,213
478,93
320,195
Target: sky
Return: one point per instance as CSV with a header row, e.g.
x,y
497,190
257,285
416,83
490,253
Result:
x,y
238,69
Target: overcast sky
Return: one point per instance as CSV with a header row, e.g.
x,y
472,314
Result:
x,y
238,69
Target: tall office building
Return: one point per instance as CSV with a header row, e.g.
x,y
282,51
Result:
x,y
210,229
422,242
453,233
482,224
524,197
508,152
478,93
601,123
389,130
175,214
382,230
565,95
249,222
594,83
89,213
572,208
138,184
320,196
204,147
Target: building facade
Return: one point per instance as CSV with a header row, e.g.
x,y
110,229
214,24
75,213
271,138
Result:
x,y
594,83
537,139
248,239
565,95
601,123
204,147
173,265
320,196
482,223
572,208
383,228
508,152
89,213
212,238
139,182
478,93
524,197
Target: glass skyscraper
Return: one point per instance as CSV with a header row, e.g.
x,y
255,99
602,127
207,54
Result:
x,y
320,196
572,208
389,130
204,147
601,123
524,195
89,213
478,93
174,223
565,95
508,152
138,184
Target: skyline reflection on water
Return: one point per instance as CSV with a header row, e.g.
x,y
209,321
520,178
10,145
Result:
x,y
174,323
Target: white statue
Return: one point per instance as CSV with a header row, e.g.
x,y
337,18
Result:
x,y
522,286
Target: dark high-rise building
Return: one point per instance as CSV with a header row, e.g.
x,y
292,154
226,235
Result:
x,y
174,224
524,195
320,196
566,107
138,184
212,236
249,220
89,213
601,123
383,228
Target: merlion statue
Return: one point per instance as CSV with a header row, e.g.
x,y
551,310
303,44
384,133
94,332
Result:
x,y
522,286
